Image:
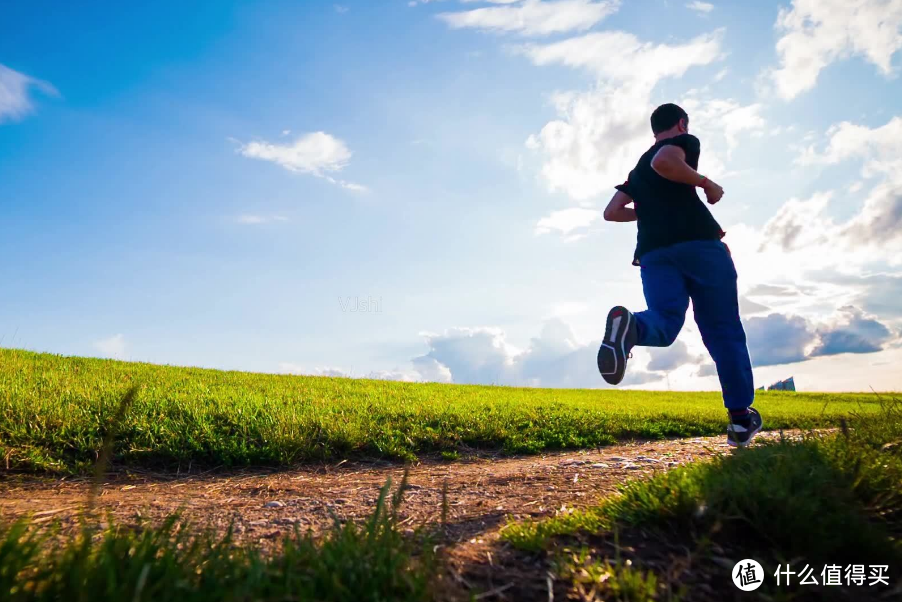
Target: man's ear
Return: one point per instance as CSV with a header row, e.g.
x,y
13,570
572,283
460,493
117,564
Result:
x,y
684,125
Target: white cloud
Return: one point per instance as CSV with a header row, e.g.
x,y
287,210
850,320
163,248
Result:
x,y
725,118
472,355
875,232
622,57
114,346
250,219
880,147
555,358
15,93
350,185
670,358
566,221
534,17
818,32
316,153
331,372
431,370
396,375
802,239
799,224
340,9
852,331
701,7
786,339
600,133
779,339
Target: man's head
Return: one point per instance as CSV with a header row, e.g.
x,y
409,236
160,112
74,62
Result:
x,y
670,120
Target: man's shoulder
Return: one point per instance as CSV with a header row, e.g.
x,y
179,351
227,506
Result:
x,y
684,140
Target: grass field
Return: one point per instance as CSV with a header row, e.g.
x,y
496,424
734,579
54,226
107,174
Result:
x,y
820,501
55,412
372,562
835,499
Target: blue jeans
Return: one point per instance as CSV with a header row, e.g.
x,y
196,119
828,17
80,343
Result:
x,y
703,271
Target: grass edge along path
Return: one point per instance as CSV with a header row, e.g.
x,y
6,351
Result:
x,y
55,413
370,562
825,500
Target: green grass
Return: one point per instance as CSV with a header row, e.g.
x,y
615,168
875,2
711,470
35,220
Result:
x,y
368,563
55,412
822,500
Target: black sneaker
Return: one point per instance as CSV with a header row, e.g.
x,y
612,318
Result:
x,y
620,335
741,430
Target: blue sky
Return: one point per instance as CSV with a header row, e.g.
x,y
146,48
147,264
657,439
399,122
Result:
x,y
219,184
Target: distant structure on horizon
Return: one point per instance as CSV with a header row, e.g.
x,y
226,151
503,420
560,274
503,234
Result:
x,y
784,385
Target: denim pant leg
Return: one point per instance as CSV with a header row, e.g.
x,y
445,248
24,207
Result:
x,y
711,282
666,297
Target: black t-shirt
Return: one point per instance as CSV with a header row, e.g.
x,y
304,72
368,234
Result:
x,y
668,212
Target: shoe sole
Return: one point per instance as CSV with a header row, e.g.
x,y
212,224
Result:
x,y
752,436
613,346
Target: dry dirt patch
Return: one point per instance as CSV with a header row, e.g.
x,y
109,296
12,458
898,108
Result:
x,y
262,505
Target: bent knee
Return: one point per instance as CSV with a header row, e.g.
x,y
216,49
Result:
x,y
671,332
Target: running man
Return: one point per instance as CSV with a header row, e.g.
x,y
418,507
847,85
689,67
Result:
x,y
681,257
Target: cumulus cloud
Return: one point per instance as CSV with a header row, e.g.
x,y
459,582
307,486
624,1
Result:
x,y
723,117
113,347
852,332
554,358
478,355
879,224
664,359
880,147
601,132
799,224
802,237
778,339
533,17
15,93
785,339
317,153
804,229
431,370
815,33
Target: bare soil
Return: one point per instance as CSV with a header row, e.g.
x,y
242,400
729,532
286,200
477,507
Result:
x,y
482,493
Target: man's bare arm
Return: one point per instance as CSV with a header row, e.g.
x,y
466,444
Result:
x,y
617,210
670,162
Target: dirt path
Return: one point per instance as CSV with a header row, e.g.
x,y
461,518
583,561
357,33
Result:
x,y
482,492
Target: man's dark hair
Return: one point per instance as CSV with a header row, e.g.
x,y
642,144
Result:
x,y
667,116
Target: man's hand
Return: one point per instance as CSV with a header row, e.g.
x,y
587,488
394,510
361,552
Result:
x,y
713,191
